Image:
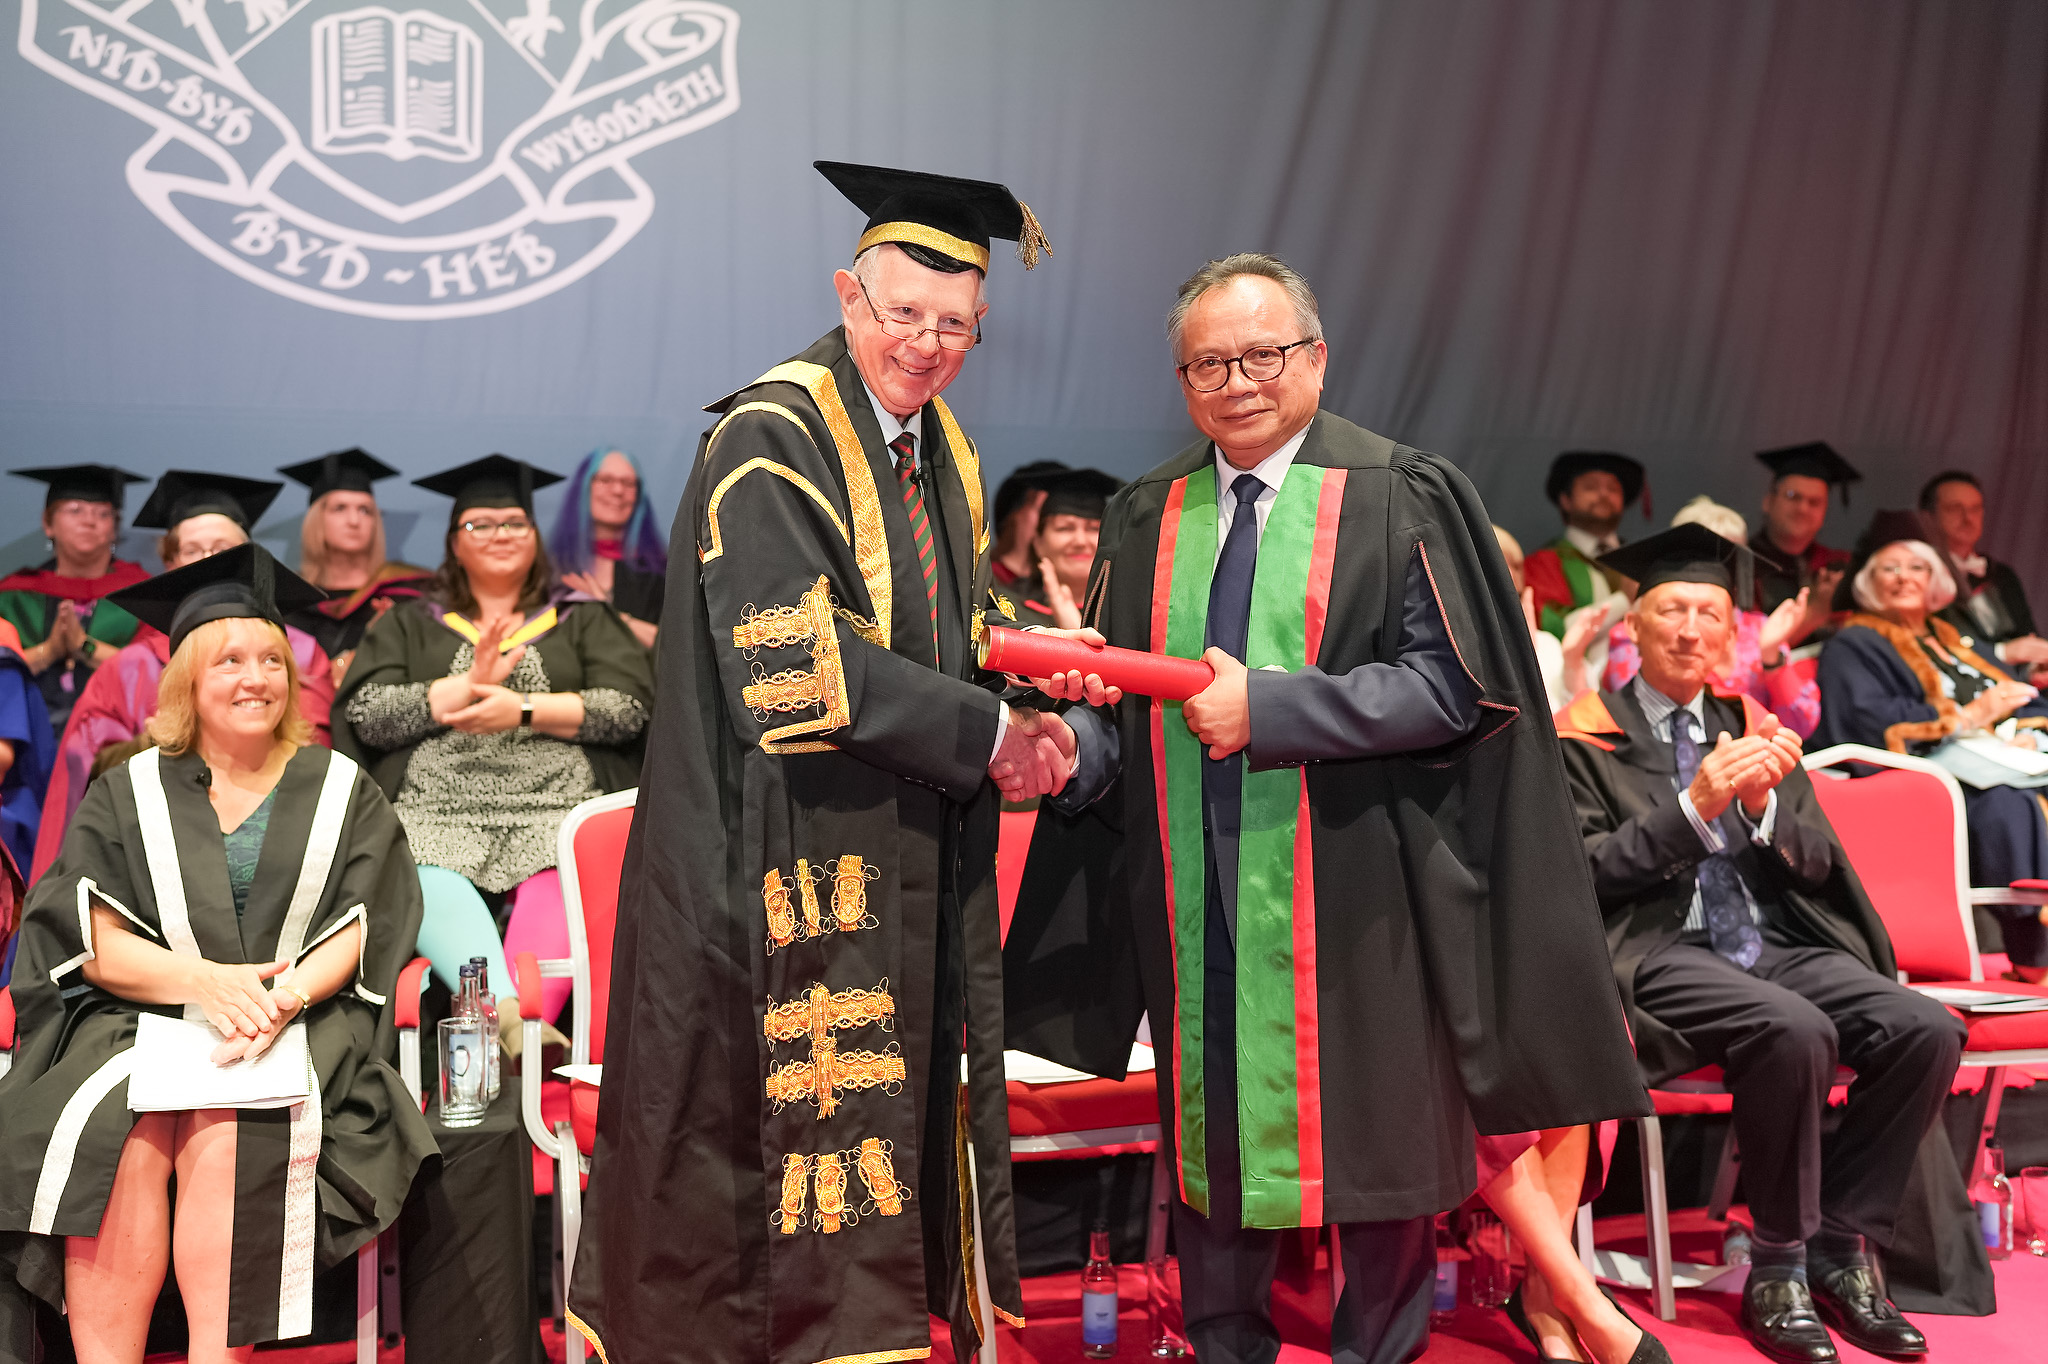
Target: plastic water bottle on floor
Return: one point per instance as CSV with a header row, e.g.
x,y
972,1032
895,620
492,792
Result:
x,y
1736,1246
1098,1298
1443,1304
1992,1193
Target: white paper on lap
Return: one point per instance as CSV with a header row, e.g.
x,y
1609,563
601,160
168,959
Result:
x,y
174,1070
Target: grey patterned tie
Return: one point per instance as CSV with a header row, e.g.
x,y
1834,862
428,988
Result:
x,y
1730,928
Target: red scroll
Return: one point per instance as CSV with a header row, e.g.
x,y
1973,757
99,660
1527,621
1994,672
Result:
x,y
1034,654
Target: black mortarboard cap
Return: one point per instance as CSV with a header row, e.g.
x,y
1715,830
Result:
x,y
493,481
184,493
1568,466
1083,492
1815,459
1030,478
350,471
938,214
86,482
234,584
1687,554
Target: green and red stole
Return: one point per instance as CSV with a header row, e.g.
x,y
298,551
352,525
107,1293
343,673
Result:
x,y
1279,1072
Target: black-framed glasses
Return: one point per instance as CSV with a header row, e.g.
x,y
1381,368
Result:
x,y
903,329
484,531
1260,364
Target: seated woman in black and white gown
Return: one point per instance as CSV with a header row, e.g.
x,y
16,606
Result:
x,y
254,890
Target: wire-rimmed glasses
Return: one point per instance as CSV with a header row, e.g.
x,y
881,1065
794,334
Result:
x,y
908,329
1260,364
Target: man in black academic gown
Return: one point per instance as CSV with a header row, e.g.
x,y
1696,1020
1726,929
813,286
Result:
x,y
1742,938
1787,541
1991,602
808,921
1366,927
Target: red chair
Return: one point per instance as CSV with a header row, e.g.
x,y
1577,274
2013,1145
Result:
x,y
561,1115
1921,888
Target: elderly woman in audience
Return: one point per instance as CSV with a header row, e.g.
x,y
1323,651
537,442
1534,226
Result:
x,y
1759,663
1900,677
200,515
606,542
487,713
341,552
154,946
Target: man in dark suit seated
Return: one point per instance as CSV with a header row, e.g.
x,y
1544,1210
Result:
x,y
1742,938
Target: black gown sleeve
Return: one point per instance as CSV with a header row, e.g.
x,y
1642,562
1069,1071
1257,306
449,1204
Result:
x,y
777,549
1629,856
1422,700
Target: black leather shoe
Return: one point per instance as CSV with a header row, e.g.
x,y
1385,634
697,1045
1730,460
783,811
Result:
x,y
1853,1301
1778,1318
1520,1317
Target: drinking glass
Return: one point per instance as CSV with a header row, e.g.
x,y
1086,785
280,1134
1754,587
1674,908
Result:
x,y
2033,1201
462,1071
1492,1276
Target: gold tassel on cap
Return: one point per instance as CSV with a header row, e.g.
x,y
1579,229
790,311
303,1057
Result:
x,y
1031,240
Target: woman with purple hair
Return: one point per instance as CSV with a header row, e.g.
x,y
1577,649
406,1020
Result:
x,y
605,541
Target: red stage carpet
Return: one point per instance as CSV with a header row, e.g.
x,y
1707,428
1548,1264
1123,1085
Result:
x,y
1705,1332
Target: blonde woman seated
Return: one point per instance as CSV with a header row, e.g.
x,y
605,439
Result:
x,y
255,891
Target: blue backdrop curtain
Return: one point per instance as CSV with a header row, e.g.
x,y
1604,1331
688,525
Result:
x,y
1684,231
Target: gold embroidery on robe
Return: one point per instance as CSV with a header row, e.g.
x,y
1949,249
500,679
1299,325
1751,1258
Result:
x,y
830,1070
823,688
781,918
878,1172
796,1171
850,875
831,1181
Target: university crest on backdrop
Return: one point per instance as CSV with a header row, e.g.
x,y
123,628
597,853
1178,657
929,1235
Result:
x,y
455,158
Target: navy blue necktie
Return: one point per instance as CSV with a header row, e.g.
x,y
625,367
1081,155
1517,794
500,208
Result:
x,y
1230,591
1730,929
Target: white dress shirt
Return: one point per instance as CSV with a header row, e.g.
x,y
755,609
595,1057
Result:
x,y
1271,471
1589,544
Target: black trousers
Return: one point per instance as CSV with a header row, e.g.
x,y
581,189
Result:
x,y
1779,1030
1226,1269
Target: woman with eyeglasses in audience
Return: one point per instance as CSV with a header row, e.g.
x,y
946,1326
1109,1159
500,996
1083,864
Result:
x,y
606,542
1898,676
489,709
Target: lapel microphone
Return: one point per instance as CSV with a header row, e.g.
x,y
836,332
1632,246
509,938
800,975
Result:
x,y
205,777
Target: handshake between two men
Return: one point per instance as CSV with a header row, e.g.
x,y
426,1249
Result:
x,y
1039,749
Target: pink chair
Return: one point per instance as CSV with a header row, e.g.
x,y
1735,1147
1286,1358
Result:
x,y
561,1115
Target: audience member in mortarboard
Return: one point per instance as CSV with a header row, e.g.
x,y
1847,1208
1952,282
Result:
x,y
1369,655
1591,489
201,515
1991,603
1063,547
1742,938
487,709
55,607
1803,477
156,902
1760,665
1015,518
341,551
818,651
607,542
1900,676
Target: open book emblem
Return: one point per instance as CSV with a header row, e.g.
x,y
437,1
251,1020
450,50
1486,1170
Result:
x,y
451,159
402,85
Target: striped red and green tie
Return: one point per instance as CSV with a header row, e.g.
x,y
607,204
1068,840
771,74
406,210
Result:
x,y
905,448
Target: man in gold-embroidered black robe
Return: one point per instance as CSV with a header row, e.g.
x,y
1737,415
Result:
x,y
808,921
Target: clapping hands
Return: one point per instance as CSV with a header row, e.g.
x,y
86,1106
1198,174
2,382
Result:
x,y
1746,769
476,702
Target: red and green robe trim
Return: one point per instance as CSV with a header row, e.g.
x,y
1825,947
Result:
x,y
1279,1098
